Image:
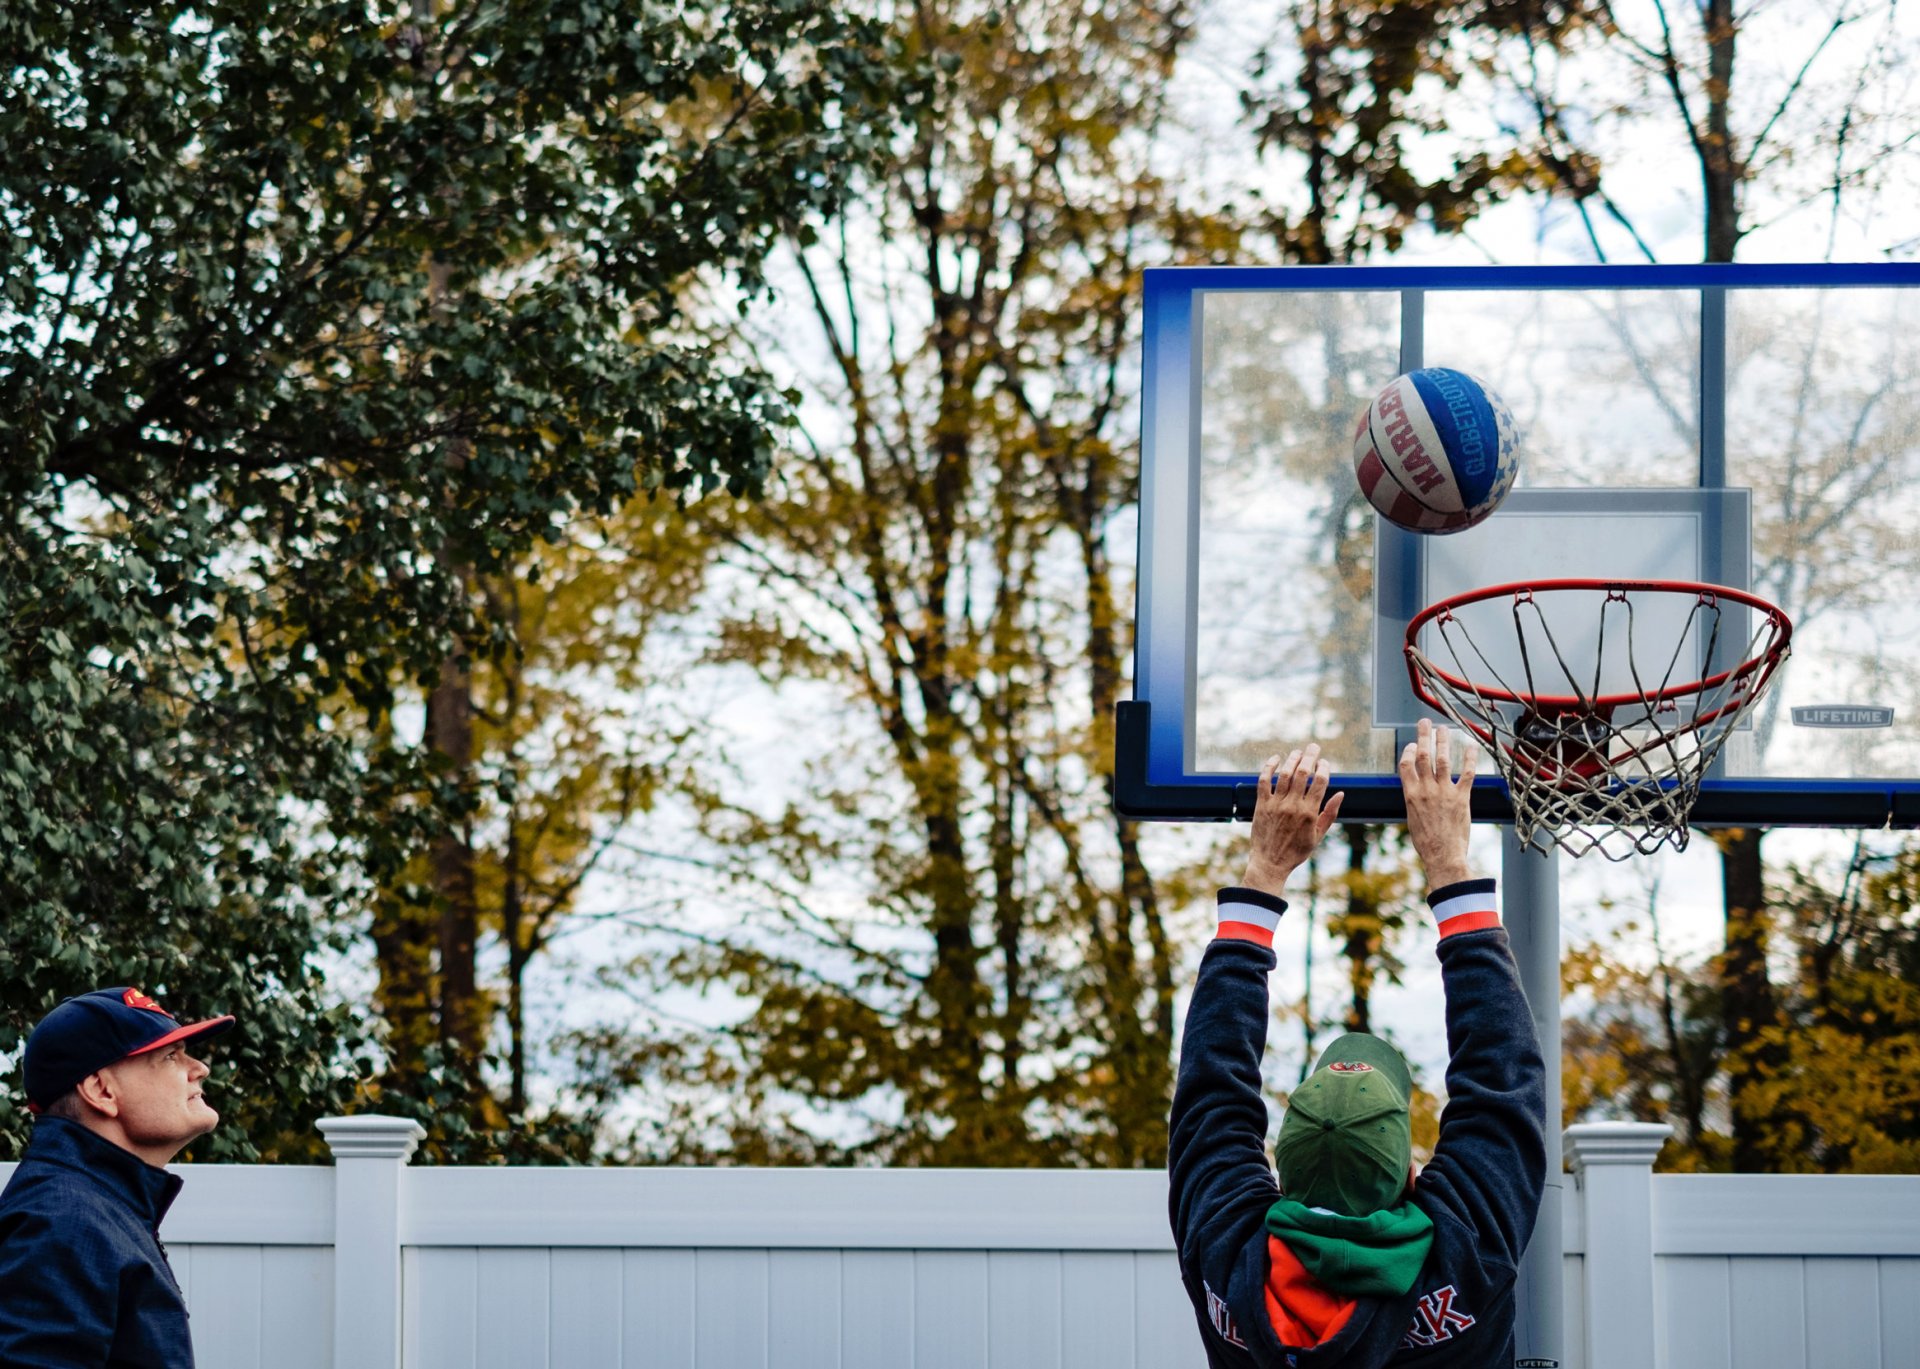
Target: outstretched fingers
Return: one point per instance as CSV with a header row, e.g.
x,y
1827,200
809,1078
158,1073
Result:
x,y
1469,761
1439,815
1317,784
1302,778
1429,757
1417,758
1291,813
1331,813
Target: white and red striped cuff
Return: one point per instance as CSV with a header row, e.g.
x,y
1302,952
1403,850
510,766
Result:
x,y
1467,906
1248,915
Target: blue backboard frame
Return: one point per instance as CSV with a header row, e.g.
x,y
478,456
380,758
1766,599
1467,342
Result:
x,y
1154,731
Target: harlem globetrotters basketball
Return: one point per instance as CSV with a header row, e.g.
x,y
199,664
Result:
x,y
1436,451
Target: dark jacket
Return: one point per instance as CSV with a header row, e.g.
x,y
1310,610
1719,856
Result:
x,y
84,1279
1482,1188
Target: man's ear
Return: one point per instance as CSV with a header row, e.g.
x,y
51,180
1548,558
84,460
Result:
x,y
97,1092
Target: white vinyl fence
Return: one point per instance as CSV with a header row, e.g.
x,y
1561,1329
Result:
x,y
373,1264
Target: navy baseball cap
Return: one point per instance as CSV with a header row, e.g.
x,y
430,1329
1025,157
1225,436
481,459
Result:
x,y
93,1030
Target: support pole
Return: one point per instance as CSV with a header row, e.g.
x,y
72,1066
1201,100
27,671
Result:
x,y
1530,895
370,1157
1613,1169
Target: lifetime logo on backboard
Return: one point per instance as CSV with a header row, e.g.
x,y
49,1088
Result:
x,y
1842,715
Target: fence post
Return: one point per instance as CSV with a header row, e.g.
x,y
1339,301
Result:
x,y
369,1165
1613,1170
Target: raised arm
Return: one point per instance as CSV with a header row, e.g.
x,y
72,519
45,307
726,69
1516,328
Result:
x,y
1489,1167
1221,1185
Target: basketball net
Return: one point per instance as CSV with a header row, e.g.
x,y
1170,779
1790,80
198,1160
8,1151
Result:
x,y
1614,772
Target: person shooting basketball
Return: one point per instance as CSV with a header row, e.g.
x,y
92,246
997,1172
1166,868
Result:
x,y
1352,1258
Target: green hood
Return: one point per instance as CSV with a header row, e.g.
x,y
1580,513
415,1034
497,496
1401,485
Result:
x,y
1378,1255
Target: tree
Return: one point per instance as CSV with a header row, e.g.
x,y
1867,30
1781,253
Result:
x,y
1702,94
1817,117
1644,1040
1359,82
1844,1096
953,948
251,466
939,555
128,854
1842,1072
574,737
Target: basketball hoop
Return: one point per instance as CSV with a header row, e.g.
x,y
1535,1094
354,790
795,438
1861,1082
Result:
x,y
1601,750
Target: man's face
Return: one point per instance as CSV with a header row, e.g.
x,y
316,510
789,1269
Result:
x,y
160,1097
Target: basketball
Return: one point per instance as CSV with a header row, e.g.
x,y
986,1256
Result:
x,y
1436,451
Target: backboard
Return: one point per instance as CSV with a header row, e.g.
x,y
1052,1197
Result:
x,y
1750,426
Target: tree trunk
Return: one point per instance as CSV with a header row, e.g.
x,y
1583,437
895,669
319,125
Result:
x,y
1312,246
1746,993
1747,1003
403,947
449,733
517,1027
1009,920
1362,927
403,935
1689,1084
463,1016
1720,168
512,909
954,984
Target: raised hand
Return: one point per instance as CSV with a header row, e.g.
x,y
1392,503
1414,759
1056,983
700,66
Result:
x,y
1439,819
1289,818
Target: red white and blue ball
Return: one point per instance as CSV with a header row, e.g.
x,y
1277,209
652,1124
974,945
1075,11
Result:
x,y
1436,451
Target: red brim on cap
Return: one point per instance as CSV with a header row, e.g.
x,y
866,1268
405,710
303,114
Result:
x,y
213,1026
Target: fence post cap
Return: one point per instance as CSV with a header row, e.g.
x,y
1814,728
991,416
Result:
x,y
1614,1143
371,1137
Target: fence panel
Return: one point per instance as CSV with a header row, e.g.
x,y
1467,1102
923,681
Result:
x,y
658,1326
1767,1312
1695,1300
1788,1271
1843,1312
1899,1312
730,1309
803,1307
1025,1327
1165,1331
876,1308
949,1310
691,1269
514,1291
440,1301
587,1316
1096,1328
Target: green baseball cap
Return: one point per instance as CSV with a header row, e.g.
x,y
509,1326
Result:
x,y
1346,1142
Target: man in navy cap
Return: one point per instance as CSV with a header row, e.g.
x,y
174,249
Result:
x,y
84,1279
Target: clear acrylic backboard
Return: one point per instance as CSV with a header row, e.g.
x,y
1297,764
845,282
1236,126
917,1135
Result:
x,y
1756,427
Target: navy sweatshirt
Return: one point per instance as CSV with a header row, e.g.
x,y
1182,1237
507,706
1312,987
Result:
x,y
1482,1188
84,1280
